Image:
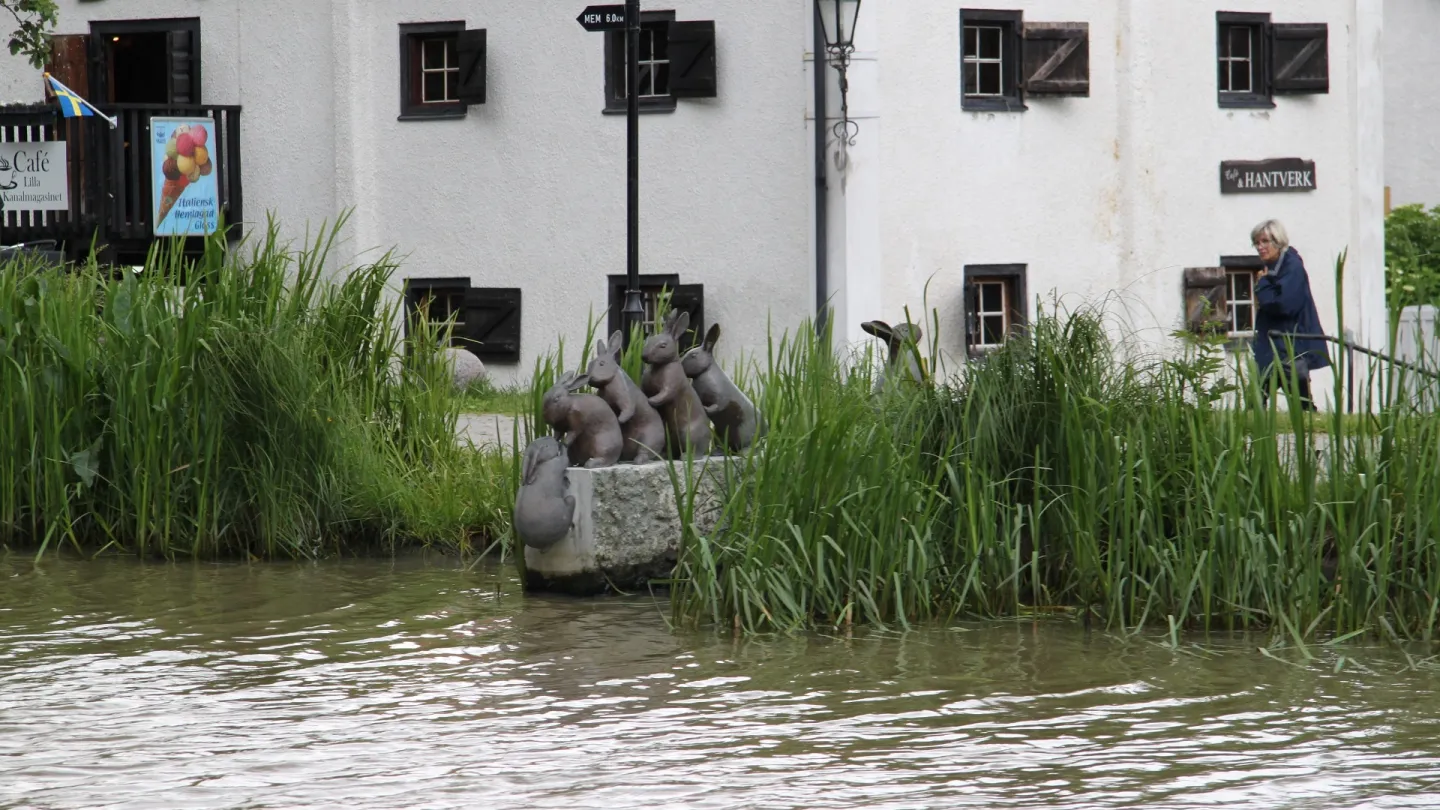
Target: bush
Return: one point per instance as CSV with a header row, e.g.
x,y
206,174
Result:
x,y
1412,256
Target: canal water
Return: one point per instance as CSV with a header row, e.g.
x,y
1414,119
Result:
x,y
423,684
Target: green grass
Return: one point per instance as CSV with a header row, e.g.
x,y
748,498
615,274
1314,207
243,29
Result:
x,y
483,396
259,410
1062,474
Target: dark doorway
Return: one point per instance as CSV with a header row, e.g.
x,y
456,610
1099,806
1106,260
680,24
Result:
x,y
138,68
146,61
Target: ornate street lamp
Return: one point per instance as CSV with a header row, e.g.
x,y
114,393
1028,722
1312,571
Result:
x,y
837,18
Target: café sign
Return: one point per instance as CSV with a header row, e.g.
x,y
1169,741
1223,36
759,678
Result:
x,y
1266,176
34,176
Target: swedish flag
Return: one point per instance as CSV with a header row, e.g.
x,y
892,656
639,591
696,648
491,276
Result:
x,y
71,104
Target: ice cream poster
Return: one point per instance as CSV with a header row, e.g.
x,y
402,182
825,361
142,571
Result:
x,y
186,197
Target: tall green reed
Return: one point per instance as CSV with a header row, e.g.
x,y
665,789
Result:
x,y
232,403
1057,473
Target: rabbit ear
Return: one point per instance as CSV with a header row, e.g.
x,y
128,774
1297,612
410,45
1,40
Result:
x,y
682,322
531,465
577,383
602,347
712,336
564,379
617,342
879,329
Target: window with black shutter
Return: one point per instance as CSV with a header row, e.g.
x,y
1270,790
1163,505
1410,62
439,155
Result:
x,y
1005,60
687,297
485,320
442,69
1258,59
995,305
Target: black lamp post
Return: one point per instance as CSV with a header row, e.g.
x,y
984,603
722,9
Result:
x,y
837,17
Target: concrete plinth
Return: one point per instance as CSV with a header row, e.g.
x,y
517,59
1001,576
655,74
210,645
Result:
x,y
627,527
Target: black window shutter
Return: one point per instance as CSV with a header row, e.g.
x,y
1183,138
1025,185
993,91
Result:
x,y
470,46
1301,56
690,298
1206,309
492,323
692,59
182,88
1056,59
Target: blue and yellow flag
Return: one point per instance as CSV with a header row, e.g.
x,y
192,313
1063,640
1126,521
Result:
x,y
71,104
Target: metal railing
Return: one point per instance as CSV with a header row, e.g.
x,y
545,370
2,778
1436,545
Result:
x,y
1350,349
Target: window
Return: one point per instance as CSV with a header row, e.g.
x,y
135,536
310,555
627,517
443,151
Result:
x,y
486,319
1240,293
654,65
688,297
1242,50
442,69
1004,60
994,305
437,300
1258,59
990,60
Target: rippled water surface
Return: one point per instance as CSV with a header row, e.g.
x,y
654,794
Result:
x,y
420,684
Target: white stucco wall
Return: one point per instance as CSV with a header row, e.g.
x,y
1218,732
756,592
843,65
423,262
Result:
x,y
1412,102
1111,196
528,190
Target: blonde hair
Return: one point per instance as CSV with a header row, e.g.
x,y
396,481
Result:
x,y
1272,230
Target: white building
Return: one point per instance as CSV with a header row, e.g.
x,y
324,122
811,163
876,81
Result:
x,y
978,168
346,104
1412,102
1109,183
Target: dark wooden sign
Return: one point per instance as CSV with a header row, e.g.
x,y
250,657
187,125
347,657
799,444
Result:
x,y
1266,176
602,18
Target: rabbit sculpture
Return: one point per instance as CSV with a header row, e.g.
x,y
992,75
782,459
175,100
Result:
x,y
543,512
640,424
737,423
903,342
591,431
669,390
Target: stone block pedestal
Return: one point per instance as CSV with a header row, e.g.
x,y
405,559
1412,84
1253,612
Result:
x,y
627,527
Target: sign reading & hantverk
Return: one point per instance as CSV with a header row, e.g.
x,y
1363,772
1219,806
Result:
x,y
34,176
1261,176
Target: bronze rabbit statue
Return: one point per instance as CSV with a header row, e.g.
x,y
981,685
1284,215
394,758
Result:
x,y
591,433
669,390
543,512
641,426
737,422
903,342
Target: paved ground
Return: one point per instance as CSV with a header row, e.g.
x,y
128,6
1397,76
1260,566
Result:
x,y
493,430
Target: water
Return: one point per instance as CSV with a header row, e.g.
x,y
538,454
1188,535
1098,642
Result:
x,y
419,684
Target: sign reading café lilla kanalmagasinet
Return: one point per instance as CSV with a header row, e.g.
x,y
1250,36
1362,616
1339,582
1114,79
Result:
x,y
1261,176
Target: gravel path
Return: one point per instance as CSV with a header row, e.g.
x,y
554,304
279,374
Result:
x,y
487,430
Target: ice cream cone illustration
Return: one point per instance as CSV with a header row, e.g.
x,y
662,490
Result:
x,y
186,160
170,194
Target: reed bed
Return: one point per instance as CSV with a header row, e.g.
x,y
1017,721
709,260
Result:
x,y
235,404
1062,475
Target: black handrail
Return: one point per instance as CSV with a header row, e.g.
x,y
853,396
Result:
x,y
1434,375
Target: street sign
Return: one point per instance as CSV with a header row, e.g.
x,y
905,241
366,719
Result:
x,y
602,18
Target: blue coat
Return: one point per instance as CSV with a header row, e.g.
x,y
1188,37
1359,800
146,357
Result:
x,y
1284,304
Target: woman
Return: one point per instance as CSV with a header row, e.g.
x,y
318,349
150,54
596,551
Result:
x,y
1284,305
